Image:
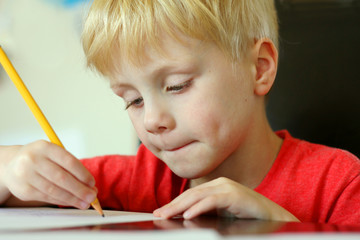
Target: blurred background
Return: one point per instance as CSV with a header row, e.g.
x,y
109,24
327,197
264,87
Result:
x,y
42,39
316,95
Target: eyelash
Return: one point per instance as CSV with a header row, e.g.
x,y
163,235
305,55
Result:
x,y
179,87
134,102
175,88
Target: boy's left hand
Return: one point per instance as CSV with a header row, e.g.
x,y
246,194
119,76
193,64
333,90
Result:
x,y
224,196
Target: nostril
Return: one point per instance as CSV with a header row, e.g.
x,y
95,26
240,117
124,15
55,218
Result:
x,y
157,117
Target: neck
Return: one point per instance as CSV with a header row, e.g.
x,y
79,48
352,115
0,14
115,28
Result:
x,y
250,163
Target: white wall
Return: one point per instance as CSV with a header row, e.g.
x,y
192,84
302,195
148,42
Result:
x,y
42,40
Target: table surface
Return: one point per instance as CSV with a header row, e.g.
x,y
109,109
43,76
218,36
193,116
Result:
x,y
226,226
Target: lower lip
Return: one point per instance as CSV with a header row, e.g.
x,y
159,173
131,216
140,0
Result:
x,y
176,149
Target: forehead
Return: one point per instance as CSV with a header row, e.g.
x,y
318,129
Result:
x,y
172,54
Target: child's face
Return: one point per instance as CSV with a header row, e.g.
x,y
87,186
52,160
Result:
x,y
189,107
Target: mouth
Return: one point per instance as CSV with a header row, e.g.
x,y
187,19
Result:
x,y
178,148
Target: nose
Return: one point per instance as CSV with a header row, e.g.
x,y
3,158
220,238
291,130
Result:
x,y
157,117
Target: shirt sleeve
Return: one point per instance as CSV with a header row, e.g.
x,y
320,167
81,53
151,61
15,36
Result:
x,y
346,209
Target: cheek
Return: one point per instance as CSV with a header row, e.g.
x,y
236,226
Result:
x,y
221,122
204,120
138,126
142,135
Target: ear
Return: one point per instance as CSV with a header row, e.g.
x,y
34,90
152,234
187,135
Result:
x,y
266,60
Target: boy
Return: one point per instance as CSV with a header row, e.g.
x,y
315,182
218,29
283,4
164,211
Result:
x,y
194,75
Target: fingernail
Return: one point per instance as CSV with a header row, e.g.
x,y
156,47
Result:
x,y
90,198
84,205
187,215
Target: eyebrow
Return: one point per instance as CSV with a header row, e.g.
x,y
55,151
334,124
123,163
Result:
x,y
166,68
174,68
117,85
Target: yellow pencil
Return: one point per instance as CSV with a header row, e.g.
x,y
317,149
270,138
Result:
x,y
40,117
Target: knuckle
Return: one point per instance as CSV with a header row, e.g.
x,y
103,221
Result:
x,y
211,199
70,163
89,179
229,187
23,161
20,172
60,177
223,180
50,190
226,183
21,166
26,158
198,194
41,144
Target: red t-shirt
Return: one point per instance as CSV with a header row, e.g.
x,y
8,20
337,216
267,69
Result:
x,y
314,182
139,183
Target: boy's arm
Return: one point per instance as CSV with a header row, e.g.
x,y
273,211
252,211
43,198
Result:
x,y
226,197
42,172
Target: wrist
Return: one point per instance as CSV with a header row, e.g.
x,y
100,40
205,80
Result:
x,y
6,154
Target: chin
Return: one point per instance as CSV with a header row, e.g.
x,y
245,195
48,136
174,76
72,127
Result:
x,y
189,172
187,164
188,176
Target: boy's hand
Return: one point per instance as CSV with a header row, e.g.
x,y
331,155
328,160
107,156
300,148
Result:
x,y
226,197
42,171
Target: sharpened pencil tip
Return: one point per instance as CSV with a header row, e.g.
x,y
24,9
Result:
x,y
103,215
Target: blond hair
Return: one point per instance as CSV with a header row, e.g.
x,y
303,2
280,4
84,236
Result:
x,y
125,26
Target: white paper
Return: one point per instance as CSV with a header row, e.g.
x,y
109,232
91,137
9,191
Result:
x,y
44,218
42,224
192,234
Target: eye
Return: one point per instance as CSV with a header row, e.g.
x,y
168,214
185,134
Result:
x,y
136,103
179,87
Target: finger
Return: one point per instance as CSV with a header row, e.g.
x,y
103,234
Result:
x,y
47,191
192,196
53,201
177,206
184,202
26,192
66,160
58,180
206,205
205,188
38,188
